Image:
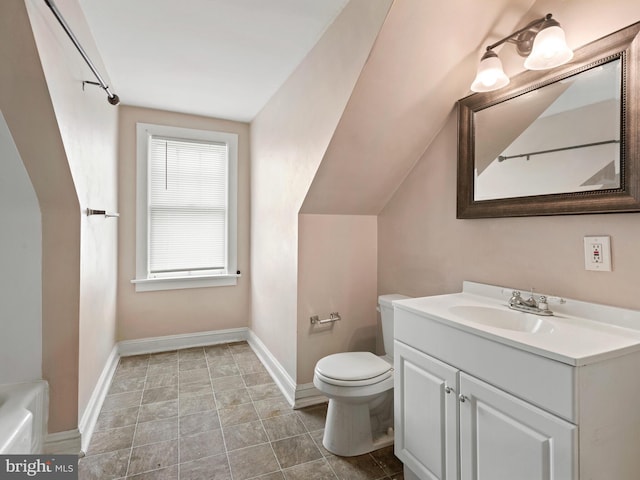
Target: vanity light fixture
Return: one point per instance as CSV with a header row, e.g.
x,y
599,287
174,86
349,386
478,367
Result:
x,y
541,41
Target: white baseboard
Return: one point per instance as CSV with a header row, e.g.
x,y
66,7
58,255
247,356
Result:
x,y
92,410
284,381
307,394
67,440
73,441
298,396
63,443
175,342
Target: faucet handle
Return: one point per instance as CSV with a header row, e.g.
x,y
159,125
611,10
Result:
x,y
516,298
559,300
542,303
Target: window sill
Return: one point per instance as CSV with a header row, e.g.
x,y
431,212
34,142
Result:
x,y
176,283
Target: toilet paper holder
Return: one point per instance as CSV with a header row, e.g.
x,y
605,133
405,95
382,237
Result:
x,y
92,211
333,317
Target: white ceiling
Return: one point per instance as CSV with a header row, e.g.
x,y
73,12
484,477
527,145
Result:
x,y
218,58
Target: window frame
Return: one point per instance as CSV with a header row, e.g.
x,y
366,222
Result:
x,y
143,282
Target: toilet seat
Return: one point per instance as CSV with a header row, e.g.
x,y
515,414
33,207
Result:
x,y
353,369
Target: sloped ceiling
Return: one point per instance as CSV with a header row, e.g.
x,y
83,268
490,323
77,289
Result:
x,y
423,61
217,58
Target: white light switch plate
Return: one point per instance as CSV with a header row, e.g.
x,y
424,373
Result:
x,y
597,253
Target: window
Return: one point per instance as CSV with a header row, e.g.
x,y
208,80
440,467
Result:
x,y
186,208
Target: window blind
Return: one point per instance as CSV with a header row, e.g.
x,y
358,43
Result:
x,y
187,206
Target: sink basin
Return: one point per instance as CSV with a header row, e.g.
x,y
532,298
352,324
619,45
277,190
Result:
x,y
504,319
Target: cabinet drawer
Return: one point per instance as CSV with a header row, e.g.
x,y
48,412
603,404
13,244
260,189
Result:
x,y
546,383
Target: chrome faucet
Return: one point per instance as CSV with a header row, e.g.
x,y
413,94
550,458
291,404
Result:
x,y
530,305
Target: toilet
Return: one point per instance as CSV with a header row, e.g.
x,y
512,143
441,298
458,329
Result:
x,y
359,386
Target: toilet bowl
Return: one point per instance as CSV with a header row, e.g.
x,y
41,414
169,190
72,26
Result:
x,y
359,386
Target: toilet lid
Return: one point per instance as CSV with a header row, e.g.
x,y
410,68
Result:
x,y
352,366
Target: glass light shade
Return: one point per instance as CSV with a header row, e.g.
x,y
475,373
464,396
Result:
x,y
490,74
549,50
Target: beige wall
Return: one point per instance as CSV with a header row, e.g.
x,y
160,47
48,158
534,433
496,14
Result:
x,y
337,272
88,126
28,111
289,138
171,312
424,250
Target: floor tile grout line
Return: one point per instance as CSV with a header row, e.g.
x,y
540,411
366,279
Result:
x,y
137,421
215,400
263,428
178,393
204,352
153,443
280,469
270,442
135,428
381,466
318,447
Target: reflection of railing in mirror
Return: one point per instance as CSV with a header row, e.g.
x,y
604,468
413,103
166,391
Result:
x,y
569,129
502,158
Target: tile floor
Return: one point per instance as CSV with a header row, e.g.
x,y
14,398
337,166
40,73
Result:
x,y
214,413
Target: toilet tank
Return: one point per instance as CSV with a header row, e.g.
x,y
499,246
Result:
x,y
386,315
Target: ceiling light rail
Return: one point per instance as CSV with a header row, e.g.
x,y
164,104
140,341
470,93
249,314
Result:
x,y
542,41
112,98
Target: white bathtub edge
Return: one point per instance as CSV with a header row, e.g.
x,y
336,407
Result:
x,y
15,423
23,406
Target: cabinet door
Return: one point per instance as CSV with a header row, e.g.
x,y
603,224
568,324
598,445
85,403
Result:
x,y
426,419
505,438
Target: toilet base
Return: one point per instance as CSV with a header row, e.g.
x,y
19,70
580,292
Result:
x,y
354,429
381,441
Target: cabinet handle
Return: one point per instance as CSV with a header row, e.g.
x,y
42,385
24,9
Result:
x,y
462,398
448,390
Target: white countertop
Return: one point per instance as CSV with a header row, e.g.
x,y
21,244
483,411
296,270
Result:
x,y
582,333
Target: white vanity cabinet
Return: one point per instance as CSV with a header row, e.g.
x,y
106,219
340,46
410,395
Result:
x,y
426,424
445,414
473,404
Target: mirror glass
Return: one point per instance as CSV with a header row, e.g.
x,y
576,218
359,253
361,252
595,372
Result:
x,y
561,138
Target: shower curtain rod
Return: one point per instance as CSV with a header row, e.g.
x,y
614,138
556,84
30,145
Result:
x,y
112,98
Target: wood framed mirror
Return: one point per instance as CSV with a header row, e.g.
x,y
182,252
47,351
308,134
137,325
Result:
x,y
562,141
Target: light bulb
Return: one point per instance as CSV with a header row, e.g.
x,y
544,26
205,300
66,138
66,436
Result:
x,y
490,74
549,50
